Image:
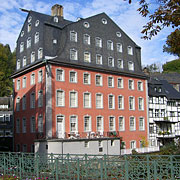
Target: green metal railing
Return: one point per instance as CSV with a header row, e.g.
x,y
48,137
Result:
x,y
90,167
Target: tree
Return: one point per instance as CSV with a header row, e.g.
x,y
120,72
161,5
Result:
x,y
8,63
173,43
152,68
172,66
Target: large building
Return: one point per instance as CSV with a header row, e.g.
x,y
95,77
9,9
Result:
x,y
78,82
164,112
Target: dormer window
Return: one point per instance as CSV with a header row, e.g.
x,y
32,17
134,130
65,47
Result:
x,y
18,64
98,59
40,53
87,57
110,62
109,45
29,27
73,36
120,63
37,23
36,37
29,19
86,24
21,47
24,61
130,50
32,57
29,42
131,66
56,19
73,54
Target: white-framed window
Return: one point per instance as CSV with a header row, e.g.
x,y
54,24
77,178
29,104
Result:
x,y
29,19
18,64
87,57
120,83
131,103
86,24
22,33
140,86
24,61
98,59
40,123
104,21
140,103
110,62
131,84
24,82
86,144
2,118
32,100
99,100
120,102
18,104
99,123
18,84
118,34
86,78
130,50
86,39
60,101
32,57
121,123
73,99
112,124
130,65
36,37
7,117
99,81
24,102
111,101
132,144
29,42
40,53
73,123
119,47
60,75
37,23
32,78
73,77
33,124
24,125
87,123
73,54
21,47
141,124
98,42
17,125
120,63
110,81
109,45
40,98
29,27
73,36
132,123
40,75
87,100
55,19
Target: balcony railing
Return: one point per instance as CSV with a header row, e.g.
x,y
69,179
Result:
x,y
165,134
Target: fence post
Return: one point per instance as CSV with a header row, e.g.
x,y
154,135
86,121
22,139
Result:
x,y
4,163
126,168
37,167
155,169
105,166
148,167
101,166
56,169
78,169
172,169
20,167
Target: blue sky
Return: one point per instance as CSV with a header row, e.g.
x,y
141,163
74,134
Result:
x,y
123,14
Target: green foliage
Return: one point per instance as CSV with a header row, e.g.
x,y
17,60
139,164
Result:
x,y
8,63
169,149
152,68
172,66
173,43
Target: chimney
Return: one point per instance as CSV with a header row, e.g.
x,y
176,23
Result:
x,y
57,10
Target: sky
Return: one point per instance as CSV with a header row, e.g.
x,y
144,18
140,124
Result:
x,y
123,14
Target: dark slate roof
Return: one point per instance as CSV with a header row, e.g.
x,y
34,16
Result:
x,y
166,89
172,78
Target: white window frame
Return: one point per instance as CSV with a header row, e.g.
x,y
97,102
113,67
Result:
x,y
73,54
18,64
120,65
100,101
62,98
36,37
29,27
86,80
134,142
74,78
131,65
40,76
21,47
130,50
121,103
110,81
87,57
141,126
131,84
18,99
40,124
121,128
75,121
119,47
33,79
40,53
101,127
121,84
113,101
109,45
85,104
75,104
140,103
73,36
132,128
100,83
40,98
24,81
18,84
131,104
98,59
24,61
60,76
29,42
112,124
87,39
110,59
32,100
33,57
88,127
140,86
98,42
